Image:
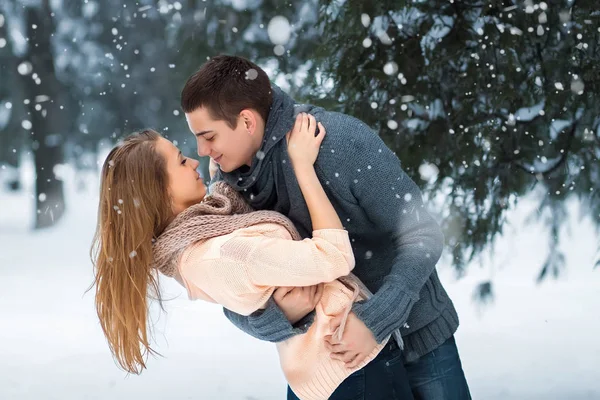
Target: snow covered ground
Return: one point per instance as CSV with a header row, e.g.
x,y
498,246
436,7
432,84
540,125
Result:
x,y
533,342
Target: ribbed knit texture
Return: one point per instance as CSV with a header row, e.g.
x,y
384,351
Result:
x,y
395,241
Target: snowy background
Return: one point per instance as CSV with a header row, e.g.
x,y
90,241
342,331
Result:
x,y
113,67
533,342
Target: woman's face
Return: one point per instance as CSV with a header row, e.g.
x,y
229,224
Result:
x,y
186,187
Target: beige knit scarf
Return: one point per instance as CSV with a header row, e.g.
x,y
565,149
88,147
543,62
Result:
x,y
222,212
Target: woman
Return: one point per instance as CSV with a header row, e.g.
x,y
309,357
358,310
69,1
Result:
x,y
154,215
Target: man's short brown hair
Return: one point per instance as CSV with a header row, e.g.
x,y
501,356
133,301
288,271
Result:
x,y
226,85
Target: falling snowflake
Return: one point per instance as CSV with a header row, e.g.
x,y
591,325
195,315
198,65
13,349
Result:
x,y
390,68
577,86
365,20
428,171
279,30
540,30
25,68
251,74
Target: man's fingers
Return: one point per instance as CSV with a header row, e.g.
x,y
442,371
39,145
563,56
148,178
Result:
x,y
356,361
281,292
312,290
335,348
337,356
305,294
345,357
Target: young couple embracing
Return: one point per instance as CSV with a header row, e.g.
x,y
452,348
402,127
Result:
x,y
310,235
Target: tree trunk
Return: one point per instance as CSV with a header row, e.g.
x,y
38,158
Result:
x,y
11,138
48,121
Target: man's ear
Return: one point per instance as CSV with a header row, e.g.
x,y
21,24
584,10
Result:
x,y
248,118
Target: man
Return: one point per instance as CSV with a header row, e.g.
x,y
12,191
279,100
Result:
x,y
240,120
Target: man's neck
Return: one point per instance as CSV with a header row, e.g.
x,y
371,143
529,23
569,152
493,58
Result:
x,y
257,145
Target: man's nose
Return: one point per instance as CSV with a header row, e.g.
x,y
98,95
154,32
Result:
x,y
203,149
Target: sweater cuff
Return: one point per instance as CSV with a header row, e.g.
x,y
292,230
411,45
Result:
x,y
305,323
333,235
383,315
272,325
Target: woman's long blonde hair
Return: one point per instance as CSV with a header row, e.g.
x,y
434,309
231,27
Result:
x,y
134,208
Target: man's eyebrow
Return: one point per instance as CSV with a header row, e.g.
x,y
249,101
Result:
x,y
202,133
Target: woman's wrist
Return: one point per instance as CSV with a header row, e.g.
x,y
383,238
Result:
x,y
303,170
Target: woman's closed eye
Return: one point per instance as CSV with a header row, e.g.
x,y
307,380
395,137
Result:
x,y
210,139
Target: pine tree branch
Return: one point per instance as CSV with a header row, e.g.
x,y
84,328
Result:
x,y
558,163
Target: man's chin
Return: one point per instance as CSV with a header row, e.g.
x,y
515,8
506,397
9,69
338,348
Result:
x,y
226,169
230,167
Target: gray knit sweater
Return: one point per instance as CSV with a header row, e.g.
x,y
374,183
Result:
x,y
395,241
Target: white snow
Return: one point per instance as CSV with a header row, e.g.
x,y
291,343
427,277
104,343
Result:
x,y
279,30
533,342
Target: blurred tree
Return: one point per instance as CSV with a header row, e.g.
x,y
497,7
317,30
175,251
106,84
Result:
x,y
11,105
483,102
47,116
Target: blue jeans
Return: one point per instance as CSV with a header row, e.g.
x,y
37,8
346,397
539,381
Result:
x,y
437,375
384,378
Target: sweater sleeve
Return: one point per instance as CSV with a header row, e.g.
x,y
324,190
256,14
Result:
x,y
274,261
251,267
268,324
370,175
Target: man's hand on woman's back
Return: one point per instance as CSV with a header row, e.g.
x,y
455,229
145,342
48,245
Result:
x,y
297,302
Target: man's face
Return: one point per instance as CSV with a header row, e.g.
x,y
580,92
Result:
x,y
230,148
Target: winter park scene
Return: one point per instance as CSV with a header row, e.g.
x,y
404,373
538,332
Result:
x,y
262,200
